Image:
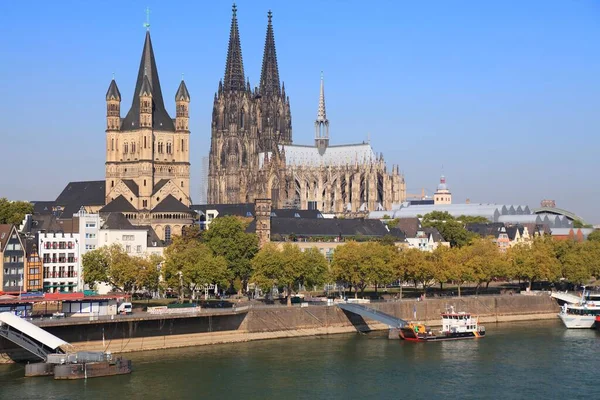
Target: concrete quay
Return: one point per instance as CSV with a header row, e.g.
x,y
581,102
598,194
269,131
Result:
x,y
152,332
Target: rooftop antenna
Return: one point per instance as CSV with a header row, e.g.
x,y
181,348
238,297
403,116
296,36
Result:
x,y
147,23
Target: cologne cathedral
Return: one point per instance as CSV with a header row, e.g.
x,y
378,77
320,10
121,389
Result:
x,y
252,154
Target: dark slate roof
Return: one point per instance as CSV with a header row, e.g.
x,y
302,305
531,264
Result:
x,y
292,213
51,223
30,244
484,230
130,183
511,231
116,220
159,185
42,207
240,210
398,234
120,204
86,193
409,226
5,231
171,204
327,227
247,210
437,237
182,92
161,120
113,92
153,239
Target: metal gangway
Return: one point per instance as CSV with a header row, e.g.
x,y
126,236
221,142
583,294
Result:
x,y
566,297
29,336
371,313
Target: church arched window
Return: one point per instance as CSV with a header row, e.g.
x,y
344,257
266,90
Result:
x,y
242,117
168,234
126,148
132,147
112,143
145,143
169,148
182,145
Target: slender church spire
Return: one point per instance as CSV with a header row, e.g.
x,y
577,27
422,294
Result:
x,y
234,68
321,113
269,77
147,70
322,123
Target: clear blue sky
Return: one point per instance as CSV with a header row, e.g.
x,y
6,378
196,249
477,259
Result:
x,y
503,95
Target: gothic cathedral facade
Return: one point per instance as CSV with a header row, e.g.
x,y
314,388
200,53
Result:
x,y
252,155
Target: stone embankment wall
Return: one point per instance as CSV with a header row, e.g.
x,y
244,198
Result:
x,y
280,322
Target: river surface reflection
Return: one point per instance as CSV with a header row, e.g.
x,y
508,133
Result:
x,y
525,360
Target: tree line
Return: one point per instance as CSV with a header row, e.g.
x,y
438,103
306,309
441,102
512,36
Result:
x,y
227,256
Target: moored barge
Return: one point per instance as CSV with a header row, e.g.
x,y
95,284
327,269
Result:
x,y
455,326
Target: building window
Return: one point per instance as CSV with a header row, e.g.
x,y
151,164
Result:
x,y
128,249
126,149
145,142
133,147
139,249
144,182
181,183
112,144
167,234
169,148
182,145
90,225
112,184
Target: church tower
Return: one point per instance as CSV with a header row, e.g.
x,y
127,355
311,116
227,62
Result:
x,y
233,151
322,123
273,106
147,155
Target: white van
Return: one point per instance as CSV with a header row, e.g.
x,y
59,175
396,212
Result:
x,y
125,308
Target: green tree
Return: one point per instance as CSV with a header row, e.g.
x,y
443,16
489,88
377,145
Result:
x,y
148,272
227,237
458,270
470,219
346,266
111,265
419,267
288,268
451,230
535,261
577,223
316,268
13,212
594,236
377,260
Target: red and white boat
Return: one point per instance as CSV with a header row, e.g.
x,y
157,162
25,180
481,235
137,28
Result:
x,y
455,326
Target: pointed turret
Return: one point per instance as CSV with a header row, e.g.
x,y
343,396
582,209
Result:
x,y
113,92
182,92
182,104
322,123
269,77
146,89
148,72
234,68
113,107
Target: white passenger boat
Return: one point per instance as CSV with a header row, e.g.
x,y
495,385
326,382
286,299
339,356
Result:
x,y
582,314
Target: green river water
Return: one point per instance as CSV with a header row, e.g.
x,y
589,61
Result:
x,y
525,360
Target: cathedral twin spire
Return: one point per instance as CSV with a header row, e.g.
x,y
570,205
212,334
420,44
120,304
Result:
x,y
234,68
234,79
269,77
